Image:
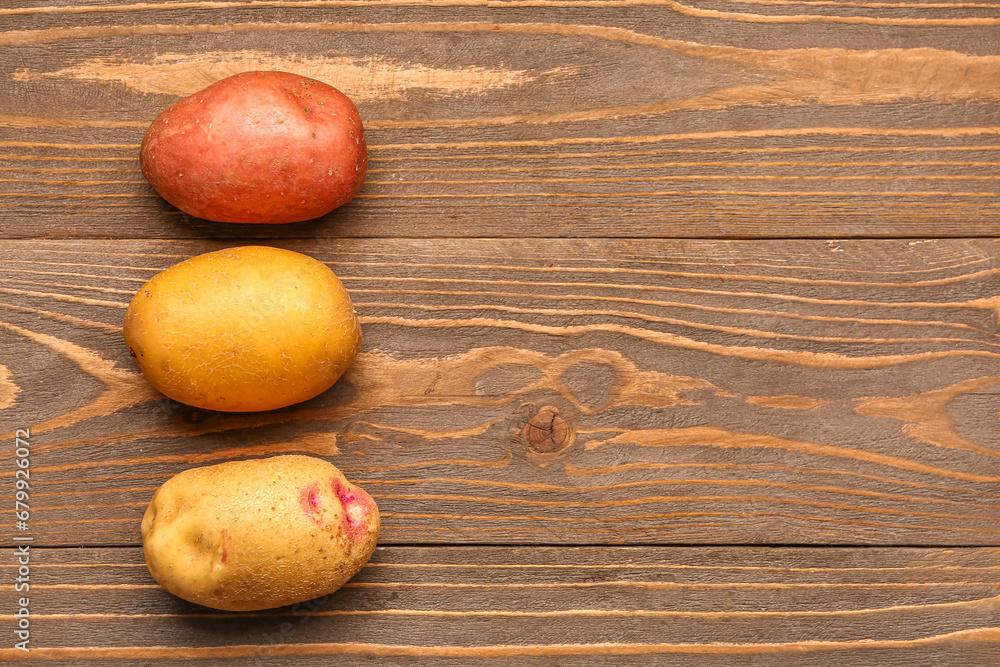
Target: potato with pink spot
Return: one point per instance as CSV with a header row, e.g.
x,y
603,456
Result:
x,y
258,534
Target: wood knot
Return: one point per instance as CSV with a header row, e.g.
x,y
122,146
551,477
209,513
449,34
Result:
x,y
547,431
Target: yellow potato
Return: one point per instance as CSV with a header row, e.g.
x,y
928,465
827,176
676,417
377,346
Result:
x,y
243,329
258,534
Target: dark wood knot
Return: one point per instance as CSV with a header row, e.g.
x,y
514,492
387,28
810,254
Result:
x,y
547,431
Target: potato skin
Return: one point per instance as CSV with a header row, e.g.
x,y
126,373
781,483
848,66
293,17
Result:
x,y
243,329
262,147
258,534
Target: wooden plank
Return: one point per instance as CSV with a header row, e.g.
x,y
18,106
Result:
x,y
564,606
534,118
555,392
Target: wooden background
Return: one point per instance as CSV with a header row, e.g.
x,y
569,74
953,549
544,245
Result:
x,y
680,329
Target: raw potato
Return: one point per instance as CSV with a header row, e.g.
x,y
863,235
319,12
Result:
x,y
258,534
257,147
243,329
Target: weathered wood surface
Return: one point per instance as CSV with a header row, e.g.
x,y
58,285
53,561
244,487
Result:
x,y
533,117
517,392
555,391
564,606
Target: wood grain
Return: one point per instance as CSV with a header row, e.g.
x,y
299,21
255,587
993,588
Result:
x,y
532,381
556,391
563,606
536,118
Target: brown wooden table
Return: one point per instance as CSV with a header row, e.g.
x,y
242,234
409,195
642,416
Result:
x,y
680,325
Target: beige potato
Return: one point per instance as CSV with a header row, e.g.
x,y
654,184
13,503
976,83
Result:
x,y
258,534
243,329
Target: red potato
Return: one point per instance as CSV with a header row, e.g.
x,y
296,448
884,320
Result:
x,y
265,147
